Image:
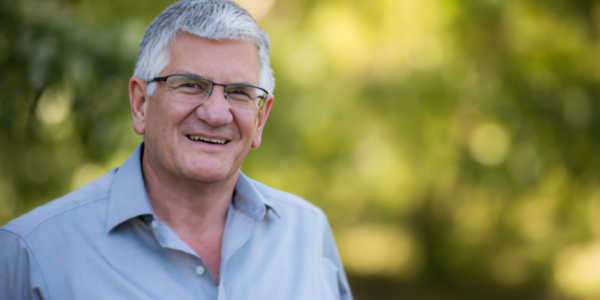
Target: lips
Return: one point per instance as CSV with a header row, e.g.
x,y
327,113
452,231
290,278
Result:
x,y
199,138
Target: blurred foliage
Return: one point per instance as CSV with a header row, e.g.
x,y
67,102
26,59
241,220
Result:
x,y
452,143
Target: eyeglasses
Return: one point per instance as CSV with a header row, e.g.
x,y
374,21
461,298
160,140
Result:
x,y
194,89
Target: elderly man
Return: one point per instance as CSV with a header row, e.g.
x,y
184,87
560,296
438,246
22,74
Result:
x,y
178,220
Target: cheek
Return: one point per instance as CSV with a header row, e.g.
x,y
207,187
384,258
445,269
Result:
x,y
154,119
247,123
162,117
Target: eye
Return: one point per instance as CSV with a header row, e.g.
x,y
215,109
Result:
x,y
189,85
240,92
190,88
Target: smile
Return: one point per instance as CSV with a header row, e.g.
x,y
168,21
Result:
x,y
207,140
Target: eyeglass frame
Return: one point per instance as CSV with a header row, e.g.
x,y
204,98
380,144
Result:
x,y
260,104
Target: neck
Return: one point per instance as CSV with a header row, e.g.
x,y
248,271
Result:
x,y
186,206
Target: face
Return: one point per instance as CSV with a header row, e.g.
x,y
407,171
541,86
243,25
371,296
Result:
x,y
177,134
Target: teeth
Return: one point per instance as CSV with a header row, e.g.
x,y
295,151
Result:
x,y
201,138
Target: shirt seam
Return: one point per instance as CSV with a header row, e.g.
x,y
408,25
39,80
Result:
x,y
55,215
34,258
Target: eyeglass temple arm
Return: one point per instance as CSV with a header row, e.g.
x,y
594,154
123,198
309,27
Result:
x,y
164,78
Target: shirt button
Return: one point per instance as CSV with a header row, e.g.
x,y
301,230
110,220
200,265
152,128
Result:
x,y
154,224
200,270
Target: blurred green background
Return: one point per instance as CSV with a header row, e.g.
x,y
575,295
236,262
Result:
x,y
453,144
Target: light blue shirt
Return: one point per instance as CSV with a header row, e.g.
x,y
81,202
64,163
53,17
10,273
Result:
x,y
103,241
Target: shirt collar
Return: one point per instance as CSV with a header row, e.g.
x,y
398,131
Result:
x,y
249,200
129,199
128,196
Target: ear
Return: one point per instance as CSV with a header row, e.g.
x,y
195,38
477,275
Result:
x,y
138,101
263,114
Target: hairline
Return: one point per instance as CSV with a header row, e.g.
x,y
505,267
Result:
x,y
154,54
166,52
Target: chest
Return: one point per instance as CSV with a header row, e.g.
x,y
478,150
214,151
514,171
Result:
x,y
259,263
208,247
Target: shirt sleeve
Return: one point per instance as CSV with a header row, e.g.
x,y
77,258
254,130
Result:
x,y
332,257
20,276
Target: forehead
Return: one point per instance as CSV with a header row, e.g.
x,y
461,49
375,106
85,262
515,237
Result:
x,y
222,61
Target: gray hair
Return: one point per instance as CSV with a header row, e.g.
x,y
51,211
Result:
x,y
211,19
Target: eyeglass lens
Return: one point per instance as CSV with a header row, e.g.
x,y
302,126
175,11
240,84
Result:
x,y
193,89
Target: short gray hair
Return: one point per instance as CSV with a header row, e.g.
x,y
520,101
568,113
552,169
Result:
x,y
211,19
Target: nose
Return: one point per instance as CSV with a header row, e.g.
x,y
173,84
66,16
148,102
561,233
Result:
x,y
215,110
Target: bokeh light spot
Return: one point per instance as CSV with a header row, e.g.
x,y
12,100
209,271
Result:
x,y
54,105
371,249
577,271
489,144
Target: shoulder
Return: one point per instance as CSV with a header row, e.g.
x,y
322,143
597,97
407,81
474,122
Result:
x,y
56,209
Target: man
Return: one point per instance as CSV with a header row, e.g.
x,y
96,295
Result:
x,y
178,220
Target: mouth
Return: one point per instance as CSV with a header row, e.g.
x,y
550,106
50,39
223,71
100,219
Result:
x,y
198,138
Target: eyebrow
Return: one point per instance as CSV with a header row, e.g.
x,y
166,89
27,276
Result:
x,y
196,75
